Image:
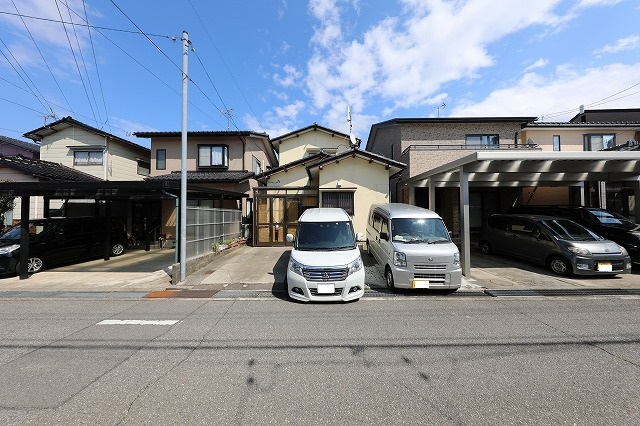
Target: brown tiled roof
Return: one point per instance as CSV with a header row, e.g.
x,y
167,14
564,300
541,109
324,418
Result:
x,y
221,176
44,169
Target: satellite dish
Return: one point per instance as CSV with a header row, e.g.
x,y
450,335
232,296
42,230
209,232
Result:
x,y
353,140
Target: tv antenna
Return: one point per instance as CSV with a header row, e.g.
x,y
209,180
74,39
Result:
x,y
442,105
351,137
228,113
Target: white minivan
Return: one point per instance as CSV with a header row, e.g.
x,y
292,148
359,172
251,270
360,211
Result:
x,y
325,263
413,247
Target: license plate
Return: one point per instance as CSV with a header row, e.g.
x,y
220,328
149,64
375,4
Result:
x,y
420,284
326,288
605,266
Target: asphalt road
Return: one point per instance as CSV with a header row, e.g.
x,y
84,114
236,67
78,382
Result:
x,y
436,360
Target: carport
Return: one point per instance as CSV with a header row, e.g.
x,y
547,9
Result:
x,y
102,192
523,169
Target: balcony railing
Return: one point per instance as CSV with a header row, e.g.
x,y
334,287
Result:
x,y
436,147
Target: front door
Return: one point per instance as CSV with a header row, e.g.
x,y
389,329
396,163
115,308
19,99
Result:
x,y
276,217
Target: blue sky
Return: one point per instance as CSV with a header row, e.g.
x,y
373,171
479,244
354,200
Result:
x,y
279,65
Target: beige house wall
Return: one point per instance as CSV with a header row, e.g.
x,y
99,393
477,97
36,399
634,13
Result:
x,y
368,181
120,162
294,177
572,138
296,147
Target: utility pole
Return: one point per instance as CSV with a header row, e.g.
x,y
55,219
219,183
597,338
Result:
x,y
183,160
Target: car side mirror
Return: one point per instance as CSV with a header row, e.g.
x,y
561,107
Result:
x,y
290,238
359,236
384,236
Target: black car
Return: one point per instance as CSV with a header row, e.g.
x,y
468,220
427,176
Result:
x,y
56,241
608,224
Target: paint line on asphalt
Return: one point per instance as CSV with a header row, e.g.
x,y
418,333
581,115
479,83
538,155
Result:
x,y
138,322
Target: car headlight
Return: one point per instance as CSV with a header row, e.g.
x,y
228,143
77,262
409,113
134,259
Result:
x,y
456,259
579,251
399,258
9,249
295,267
624,251
354,266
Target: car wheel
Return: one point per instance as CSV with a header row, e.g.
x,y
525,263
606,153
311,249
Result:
x,y
369,249
560,266
388,276
117,249
34,265
485,247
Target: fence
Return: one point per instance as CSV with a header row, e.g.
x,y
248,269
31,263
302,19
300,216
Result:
x,y
206,227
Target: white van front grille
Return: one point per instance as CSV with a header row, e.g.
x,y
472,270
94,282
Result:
x,y
325,274
430,276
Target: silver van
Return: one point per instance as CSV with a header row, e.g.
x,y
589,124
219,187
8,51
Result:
x,y
413,247
562,245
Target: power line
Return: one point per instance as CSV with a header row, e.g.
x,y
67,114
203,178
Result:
x,y
76,62
206,30
596,103
42,56
84,25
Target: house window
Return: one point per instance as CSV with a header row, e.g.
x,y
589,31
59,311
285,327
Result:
x,y
483,140
143,167
343,200
599,142
556,142
213,156
87,158
257,166
161,159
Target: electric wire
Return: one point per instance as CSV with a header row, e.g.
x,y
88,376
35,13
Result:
x,y
39,97
95,60
206,30
76,62
84,25
42,55
84,63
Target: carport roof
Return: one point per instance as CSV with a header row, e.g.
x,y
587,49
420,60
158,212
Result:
x,y
513,169
104,190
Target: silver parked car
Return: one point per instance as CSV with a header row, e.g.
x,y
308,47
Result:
x,y
560,244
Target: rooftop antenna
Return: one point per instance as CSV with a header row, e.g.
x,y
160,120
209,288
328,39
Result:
x,y
49,115
351,137
442,105
228,113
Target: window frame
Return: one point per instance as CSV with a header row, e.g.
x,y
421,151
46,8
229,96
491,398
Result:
x,y
483,137
556,143
588,144
88,162
348,203
161,161
225,156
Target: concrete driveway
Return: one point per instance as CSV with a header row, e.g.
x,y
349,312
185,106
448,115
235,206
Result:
x,y
264,268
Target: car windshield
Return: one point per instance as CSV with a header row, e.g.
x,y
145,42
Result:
x,y
325,236
568,230
413,231
607,218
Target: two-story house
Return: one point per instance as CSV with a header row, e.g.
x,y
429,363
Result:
x,y
590,130
94,152
221,160
467,168
319,167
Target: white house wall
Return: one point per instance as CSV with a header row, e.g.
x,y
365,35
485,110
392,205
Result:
x,y
296,147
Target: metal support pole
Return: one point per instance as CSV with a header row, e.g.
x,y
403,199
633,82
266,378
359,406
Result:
x,y
465,249
183,158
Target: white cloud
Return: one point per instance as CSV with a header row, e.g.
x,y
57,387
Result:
x,y
557,97
627,43
289,78
540,63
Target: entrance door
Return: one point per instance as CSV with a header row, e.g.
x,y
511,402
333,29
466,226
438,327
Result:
x,y
276,217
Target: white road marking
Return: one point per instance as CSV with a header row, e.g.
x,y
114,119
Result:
x,y
138,322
